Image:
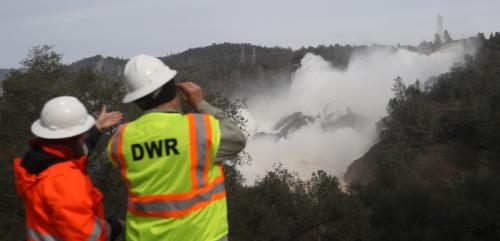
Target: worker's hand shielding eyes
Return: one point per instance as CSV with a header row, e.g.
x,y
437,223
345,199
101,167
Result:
x,y
191,93
107,119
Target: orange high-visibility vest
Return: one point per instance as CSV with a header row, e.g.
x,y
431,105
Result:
x,y
61,202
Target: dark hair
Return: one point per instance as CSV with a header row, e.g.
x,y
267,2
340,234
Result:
x,y
72,142
162,95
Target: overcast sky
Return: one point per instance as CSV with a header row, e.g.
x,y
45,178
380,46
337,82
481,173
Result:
x,y
125,28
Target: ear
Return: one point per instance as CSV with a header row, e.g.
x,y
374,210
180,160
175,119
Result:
x,y
175,102
83,137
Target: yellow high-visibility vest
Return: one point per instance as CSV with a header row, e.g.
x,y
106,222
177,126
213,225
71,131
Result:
x,y
176,190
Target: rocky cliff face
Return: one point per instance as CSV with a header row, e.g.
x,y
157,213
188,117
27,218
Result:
x,y
289,124
434,164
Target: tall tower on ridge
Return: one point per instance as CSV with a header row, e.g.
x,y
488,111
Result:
x,y
440,26
253,55
242,54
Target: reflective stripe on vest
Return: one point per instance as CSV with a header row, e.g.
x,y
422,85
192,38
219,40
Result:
x,y
34,235
223,239
200,133
117,153
97,230
180,207
94,236
115,145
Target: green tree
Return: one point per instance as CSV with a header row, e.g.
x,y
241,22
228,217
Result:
x,y
406,130
42,59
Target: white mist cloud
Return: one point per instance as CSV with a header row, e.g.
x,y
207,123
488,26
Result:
x,y
318,89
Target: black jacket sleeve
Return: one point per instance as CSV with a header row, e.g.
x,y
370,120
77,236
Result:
x,y
91,141
116,228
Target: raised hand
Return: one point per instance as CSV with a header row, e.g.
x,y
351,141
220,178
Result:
x,y
108,119
191,93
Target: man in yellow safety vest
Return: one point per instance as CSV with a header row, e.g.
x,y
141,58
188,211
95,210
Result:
x,y
171,161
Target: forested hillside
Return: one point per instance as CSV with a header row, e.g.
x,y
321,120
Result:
x,y
227,67
453,124
436,171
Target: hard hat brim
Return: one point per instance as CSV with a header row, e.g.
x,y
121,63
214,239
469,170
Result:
x,y
39,130
150,88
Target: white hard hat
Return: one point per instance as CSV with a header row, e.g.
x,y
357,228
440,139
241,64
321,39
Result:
x,y
62,117
143,75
